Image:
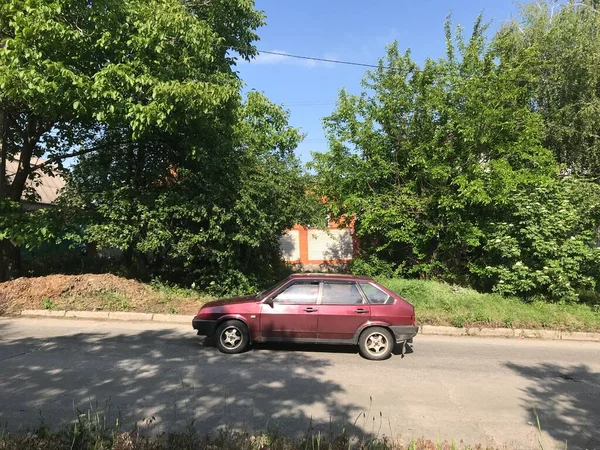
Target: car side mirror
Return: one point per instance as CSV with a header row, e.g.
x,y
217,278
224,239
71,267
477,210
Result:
x,y
269,302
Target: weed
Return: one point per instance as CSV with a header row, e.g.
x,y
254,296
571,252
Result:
x,y
168,290
458,321
49,304
91,430
114,301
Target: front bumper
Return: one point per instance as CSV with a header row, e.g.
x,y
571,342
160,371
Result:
x,y
404,332
205,327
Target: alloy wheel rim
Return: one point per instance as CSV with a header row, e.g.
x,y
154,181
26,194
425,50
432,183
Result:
x,y
377,344
231,338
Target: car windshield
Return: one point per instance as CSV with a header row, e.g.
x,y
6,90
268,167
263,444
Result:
x,y
262,294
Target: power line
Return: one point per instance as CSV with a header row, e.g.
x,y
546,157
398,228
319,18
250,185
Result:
x,y
411,71
381,66
314,58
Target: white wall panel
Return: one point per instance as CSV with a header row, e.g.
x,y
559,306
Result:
x,y
289,244
329,245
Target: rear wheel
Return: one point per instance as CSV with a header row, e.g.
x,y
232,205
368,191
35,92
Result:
x,y
232,337
376,343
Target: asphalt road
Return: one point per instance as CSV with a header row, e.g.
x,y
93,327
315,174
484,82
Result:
x,y
476,390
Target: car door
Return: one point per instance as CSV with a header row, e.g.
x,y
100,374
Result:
x,y
291,313
342,310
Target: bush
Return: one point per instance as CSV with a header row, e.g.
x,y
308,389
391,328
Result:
x,y
545,245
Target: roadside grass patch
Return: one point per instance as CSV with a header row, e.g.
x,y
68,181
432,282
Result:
x,y
91,432
49,304
444,304
113,301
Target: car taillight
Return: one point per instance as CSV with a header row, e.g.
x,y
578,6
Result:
x,y
412,319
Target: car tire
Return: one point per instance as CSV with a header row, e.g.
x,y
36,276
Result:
x,y
376,343
232,337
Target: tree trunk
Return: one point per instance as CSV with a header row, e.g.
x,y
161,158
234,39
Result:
x,y
24,170
3,154
10,255
10,260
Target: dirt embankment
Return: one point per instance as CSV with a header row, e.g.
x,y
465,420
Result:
x,y
92,292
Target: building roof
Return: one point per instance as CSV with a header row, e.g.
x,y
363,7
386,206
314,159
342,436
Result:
x,y
46,187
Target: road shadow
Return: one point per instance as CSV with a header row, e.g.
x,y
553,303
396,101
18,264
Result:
x,y
163,380
566,400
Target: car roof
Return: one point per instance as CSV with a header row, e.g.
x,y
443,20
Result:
x,y
330,276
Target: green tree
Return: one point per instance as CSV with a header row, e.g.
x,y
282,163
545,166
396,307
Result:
x,y
438,162
73,75
197,214
557,48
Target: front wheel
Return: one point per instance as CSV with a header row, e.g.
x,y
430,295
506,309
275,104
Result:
x,y
376,343
232,337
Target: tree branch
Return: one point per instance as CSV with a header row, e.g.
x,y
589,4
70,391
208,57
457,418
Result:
x,y
56,158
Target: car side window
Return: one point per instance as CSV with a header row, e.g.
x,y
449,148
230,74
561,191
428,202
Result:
x,y
375,295
341,293
299,293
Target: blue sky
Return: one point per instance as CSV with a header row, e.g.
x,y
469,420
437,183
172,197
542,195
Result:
x,y
347,30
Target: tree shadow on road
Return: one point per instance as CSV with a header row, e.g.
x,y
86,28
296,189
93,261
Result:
x,y
172,377
566,400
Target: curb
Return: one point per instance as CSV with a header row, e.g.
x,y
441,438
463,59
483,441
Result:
x,y
428,330
517,333
110,315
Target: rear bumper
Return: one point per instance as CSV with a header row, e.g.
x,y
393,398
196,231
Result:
x,y
205,327
404,332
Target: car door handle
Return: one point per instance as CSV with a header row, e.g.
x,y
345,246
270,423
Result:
x,y
361,311
310,310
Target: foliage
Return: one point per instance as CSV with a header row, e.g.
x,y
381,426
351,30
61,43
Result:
x,y
201,210
49,304
191,185
440,165
75,75
547,243
557,48
28,230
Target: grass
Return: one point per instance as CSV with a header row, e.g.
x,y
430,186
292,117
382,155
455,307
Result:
x,y
156,301
91,432
436,303
443,304
49,304
113,301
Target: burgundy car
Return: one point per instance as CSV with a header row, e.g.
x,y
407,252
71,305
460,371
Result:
x,y
315,308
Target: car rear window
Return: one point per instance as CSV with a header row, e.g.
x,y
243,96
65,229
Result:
x,y
341,293
375,295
